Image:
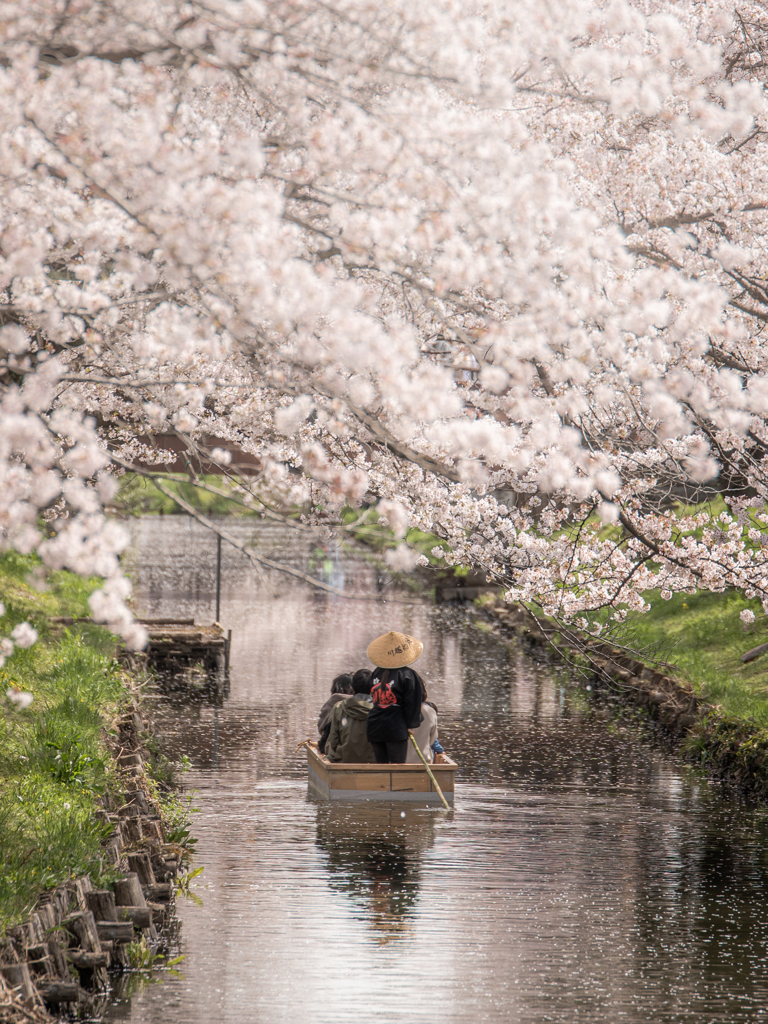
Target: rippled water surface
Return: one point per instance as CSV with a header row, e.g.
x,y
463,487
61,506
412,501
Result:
x,y
581,876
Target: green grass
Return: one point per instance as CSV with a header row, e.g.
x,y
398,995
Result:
x,y
704,638
701,635
53,760
138,496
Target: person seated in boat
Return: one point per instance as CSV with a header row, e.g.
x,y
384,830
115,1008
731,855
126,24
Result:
x,y
397,693
424,734
361,682
347,741
341,688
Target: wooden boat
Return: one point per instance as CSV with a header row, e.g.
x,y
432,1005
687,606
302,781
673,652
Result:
x,y
406,782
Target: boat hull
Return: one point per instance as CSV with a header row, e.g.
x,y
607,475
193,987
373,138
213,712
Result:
x,y
407,783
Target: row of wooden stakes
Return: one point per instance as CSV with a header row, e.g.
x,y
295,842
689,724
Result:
x,y
82,928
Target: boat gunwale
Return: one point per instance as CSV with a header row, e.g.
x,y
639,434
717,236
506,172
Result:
x,y
336,766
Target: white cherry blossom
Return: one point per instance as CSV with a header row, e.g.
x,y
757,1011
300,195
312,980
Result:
x,y
500,276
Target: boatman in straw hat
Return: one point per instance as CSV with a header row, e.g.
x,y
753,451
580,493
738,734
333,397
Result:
x,y
397,692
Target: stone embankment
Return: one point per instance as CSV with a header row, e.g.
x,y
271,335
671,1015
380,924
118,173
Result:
x,y
733,751
57,960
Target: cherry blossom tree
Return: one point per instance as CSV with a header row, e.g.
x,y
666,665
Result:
x,y
498,271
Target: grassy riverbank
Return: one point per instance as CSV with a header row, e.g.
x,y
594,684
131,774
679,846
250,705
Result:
x,y
694,639
54,763
702,637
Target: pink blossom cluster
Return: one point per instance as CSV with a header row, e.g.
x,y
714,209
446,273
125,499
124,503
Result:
x,y
498,273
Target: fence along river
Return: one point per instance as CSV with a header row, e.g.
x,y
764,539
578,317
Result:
x,y
582,876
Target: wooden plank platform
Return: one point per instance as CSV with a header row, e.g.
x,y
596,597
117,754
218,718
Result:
x,y
398,782
172,639
178,648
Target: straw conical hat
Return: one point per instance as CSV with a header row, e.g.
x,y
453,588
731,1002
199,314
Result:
x,y
394,650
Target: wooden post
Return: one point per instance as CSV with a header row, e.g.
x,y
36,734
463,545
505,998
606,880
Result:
x,y
141,864
218,576
128,891
140,917
59,991
82,925
86,959
117,931
18,977
226,656
101,903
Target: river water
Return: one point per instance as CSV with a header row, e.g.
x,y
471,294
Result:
x,y
582,875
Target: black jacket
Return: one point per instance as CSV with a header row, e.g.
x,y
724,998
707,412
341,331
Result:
x,y
397,695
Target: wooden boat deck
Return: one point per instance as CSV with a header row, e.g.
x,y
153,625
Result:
x,y
406,782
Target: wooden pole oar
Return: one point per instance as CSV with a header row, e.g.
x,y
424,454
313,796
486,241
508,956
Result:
x,y
446,805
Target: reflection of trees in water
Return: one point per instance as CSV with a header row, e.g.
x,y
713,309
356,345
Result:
x,y
373,856
700,898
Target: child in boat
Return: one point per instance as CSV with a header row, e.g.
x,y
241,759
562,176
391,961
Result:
x,y
397,696
361,682
347,740
341,688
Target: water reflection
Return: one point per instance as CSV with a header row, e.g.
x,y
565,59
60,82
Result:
x,y
581,877
373,855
